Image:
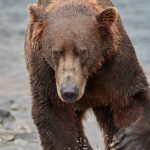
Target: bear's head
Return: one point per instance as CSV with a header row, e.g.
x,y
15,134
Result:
x,y
74,40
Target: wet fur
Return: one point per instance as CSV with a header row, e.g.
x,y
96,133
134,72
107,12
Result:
x,y
118,92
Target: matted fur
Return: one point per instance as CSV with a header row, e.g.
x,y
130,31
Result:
x,y
117,92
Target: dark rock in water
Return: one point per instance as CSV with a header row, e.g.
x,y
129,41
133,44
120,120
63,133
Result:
x,y
6,116
4,113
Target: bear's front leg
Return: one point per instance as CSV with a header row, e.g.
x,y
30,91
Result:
x,y
105,120
58,127
134,123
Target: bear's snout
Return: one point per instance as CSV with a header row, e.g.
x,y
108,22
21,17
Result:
x,y
69,93
70,79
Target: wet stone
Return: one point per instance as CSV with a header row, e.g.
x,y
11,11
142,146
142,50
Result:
x,y
14,107
6,116
6,137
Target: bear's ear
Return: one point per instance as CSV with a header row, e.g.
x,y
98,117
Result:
x,y
107,17
37,13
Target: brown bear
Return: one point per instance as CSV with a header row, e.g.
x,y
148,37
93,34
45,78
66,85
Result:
x,y
79,56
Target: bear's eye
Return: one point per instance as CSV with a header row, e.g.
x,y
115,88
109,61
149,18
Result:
x,y
83,53
57,54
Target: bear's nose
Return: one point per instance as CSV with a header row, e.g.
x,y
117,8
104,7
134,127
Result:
x,y
69,94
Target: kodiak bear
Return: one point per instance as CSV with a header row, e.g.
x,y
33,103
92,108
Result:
x,y
79,56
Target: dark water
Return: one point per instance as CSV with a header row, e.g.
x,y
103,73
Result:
x,y
14,89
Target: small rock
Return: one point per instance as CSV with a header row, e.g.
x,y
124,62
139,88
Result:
x,y
6,116
14,107
12,101
6,137
4,113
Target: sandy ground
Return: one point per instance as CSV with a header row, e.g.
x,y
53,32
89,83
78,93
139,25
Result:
x,y
17,131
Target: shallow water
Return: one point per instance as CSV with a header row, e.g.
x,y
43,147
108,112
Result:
x,y
14,89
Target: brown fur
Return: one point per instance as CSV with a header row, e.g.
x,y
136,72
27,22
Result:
x,y
116,87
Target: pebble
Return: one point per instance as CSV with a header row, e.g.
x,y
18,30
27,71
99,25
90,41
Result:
x,y
6,116
14,107
6,137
